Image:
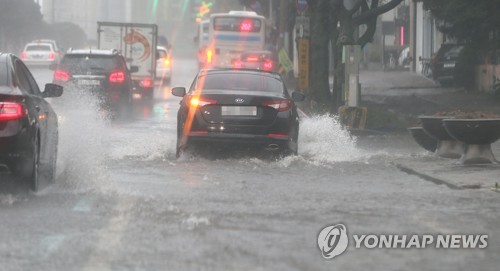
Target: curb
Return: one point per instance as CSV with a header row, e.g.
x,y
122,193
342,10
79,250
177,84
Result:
x,y
429,178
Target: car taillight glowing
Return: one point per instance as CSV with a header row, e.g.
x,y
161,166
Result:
x,y
238,64
210,54
278,135
252,59
52,56
166,63
24,56
246,26
200,102
146,83
281,105
61,75
268,65
11,111
117,77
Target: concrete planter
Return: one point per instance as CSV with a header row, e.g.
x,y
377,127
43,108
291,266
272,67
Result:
x,y
423,139
447,146
477,135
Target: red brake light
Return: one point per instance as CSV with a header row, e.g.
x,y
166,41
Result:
x,y
199,102
281,105
246,26
238,64
52,56
61,75
252,59
117,77
268,65
278,135
24,56
146,83
11,111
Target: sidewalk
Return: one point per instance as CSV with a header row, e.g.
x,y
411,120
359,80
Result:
x,y
410,95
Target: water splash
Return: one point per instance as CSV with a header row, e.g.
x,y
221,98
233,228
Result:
x,y
323,140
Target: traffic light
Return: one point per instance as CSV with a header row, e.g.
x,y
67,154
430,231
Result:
x,y
202,9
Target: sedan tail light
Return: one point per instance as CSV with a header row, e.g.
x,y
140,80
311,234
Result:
x,y
61,76
52,56
11,111
117,77
238,64
197,102
24,56
280,105
146,83
252,58
210,54
268,65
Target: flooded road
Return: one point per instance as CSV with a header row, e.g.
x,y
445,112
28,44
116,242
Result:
x,y
122,201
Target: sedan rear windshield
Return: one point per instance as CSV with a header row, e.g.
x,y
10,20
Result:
x,y
78,63
3,74
38,48
240,81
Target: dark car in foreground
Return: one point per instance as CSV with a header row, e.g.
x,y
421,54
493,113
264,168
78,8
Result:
x,y
238,107
28,125
443,64
102,73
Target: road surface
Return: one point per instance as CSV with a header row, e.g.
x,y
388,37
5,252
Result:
x,y
122,201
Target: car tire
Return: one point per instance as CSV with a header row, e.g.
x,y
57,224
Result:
x,y
34,178
52,167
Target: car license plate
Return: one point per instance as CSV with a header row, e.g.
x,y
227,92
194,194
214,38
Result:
x,y
239,111
89,82
449,65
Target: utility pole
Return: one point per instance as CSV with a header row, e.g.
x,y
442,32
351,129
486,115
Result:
x,y
283,25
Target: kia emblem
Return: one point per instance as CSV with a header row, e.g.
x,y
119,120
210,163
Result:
x,y
239,100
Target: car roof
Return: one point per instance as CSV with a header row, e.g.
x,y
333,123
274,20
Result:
x,y
161,48
242,71
91,52
40,43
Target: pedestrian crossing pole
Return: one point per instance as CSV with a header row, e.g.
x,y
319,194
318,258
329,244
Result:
x,y
351,114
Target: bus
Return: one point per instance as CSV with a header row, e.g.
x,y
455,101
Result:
x,y
232,34
202,40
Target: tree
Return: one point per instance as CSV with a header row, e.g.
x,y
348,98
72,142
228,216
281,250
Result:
x,y
20,20
332,22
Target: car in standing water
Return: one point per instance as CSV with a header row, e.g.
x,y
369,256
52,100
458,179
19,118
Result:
x,y
259,60
238,107
28,124
163,65
40,54
102,73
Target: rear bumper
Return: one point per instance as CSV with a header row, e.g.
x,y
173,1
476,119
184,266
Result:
x,y
13,150
239,139
42,62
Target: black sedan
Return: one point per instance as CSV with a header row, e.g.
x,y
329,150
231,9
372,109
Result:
x,y
28,125
236,107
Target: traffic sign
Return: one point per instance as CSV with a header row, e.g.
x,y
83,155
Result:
x,y
301,5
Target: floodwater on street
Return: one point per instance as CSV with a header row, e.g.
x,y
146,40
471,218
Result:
x,y
122,201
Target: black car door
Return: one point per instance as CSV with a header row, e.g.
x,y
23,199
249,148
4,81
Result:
x,y
42,111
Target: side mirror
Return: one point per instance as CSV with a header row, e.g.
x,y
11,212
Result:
x,y
179,91
52,91
298,97
53,66
134,69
